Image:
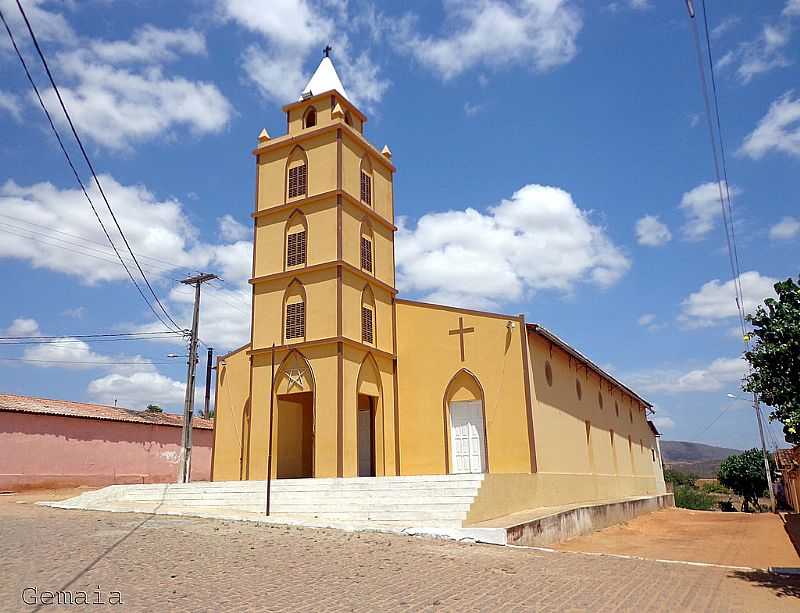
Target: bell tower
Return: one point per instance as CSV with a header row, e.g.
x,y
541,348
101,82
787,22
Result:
x,y
323,292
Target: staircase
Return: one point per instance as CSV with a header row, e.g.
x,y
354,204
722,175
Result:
x,y
433,501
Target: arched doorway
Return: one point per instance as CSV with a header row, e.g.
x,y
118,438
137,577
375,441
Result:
x,y
293,424
370,419
465,425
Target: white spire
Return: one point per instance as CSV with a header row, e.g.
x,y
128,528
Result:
x,y
324,79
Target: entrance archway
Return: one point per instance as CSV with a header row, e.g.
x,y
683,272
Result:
x,y
294,418
466,449
369,404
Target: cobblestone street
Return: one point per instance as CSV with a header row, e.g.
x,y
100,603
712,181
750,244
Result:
x,y
180,564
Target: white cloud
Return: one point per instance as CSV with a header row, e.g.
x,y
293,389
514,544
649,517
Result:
x,y
651,232
778,130
786,229
640,5
49,26
118,107
663,423
694,119
702,208
536,240
10,104
470,109
715,301
137,390
719,374
792,8
232,230
762,54
75,354
292,33
646,319
76,313
149,45
727,24
539,34
23,326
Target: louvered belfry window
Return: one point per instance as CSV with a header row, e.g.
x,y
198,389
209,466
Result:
x,y
366,188
366,254
297,181
296,320
366,325
296,249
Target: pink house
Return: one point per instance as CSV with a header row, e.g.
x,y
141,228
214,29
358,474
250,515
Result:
x,y
57,443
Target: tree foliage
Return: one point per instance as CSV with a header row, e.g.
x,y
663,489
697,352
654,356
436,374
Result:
x,y
775,358
154,408
744,474
677,478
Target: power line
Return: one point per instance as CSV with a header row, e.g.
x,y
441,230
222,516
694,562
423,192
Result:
x,y
97,335
72,166
98,363
89,162
61,341
715,420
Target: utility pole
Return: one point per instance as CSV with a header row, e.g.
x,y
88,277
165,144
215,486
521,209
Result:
x,y
188,404
764,451
206,410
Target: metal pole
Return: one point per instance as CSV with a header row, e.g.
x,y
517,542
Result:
x,y
764,451
269,437
184,470
206,410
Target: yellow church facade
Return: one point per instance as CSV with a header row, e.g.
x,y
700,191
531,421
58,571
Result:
x,y
358,382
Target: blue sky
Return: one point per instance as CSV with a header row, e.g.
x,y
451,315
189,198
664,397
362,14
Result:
x,y
553,159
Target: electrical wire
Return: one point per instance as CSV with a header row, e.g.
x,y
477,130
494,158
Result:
x,y
72,166
89,163
143,363
97,335
67,340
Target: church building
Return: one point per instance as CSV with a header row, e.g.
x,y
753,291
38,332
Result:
x,y
368,384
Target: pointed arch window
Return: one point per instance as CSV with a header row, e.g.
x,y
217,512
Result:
x,y
367,316
366,182
296,240
297,174
295,312
310,119
367,247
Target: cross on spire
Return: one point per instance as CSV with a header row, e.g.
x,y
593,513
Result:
x,y
327,50
461,331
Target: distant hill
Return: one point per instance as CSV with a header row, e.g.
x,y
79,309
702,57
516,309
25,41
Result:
x,y
702,460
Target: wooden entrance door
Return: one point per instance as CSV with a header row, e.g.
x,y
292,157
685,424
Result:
x,y
467,437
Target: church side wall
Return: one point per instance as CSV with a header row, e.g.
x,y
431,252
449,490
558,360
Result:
x,y
230,429
428,359
574,434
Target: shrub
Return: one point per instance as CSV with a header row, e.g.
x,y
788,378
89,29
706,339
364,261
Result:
x,y
676,477
712,487
688,497
727,506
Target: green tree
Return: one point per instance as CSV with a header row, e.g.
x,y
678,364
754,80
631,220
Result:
x,y
744,474
154,408
775,358
676,477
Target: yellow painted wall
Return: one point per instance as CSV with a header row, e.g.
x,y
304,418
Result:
x,y
428,358
560,420
353,149
230,428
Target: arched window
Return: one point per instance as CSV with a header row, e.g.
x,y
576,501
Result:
x,y
295,311
310,119
367,248
366,181
368,323
297,173
296,240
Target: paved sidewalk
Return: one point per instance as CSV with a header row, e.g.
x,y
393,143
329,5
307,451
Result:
x,y
181,564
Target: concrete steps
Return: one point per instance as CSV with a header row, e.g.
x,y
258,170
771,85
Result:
x,y
440,501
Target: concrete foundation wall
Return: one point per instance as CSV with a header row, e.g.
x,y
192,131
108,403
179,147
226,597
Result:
x,y
41,451
568,524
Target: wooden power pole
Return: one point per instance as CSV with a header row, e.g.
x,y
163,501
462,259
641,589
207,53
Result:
x,y
188,403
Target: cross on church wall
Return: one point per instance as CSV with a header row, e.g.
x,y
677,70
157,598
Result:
x,y
461,331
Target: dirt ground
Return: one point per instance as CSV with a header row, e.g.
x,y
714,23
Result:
x,y
756,540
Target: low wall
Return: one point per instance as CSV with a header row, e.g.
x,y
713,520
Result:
x,y
53,451
502,494
570,523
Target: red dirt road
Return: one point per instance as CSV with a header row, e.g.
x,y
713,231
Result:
x,y
756,540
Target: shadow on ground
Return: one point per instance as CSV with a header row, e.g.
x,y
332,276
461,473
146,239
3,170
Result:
x,y
782,585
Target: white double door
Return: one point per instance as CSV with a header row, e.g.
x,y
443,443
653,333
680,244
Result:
x,y
467,432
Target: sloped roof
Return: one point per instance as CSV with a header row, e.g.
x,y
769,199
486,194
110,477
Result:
x,y
324,79
67,408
